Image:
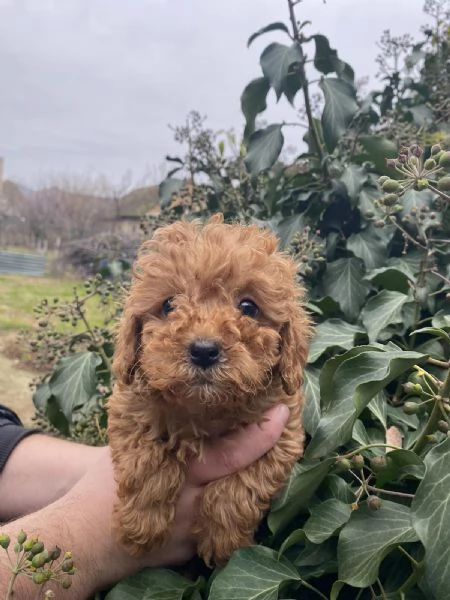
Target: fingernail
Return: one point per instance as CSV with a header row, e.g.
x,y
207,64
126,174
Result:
x,y
281,412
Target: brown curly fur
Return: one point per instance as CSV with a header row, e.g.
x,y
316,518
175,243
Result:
x,y
163,407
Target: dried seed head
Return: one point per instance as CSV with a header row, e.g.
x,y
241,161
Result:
x,y
389,199
373,502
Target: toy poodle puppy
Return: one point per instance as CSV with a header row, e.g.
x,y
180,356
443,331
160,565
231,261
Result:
x,y
213,334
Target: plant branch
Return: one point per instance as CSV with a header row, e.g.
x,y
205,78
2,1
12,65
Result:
x,y
372,488
439,363
367,447
405,233
439,193
304,83
430,426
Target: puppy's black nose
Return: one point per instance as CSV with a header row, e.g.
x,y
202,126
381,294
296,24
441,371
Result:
x,y
204,353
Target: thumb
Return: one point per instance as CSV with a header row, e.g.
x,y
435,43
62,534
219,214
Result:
x,y
239,449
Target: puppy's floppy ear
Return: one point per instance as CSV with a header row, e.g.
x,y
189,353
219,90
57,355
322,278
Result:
x,y
295,336
126,351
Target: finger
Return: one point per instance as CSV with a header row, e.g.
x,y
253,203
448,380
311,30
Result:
x,y
238,450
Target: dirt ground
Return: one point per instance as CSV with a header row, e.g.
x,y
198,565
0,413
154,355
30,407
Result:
x,y
14,383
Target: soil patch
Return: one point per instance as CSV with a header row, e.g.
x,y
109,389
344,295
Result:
x,y
15,381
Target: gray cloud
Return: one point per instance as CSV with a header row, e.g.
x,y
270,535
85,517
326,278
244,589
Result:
x,y
93,84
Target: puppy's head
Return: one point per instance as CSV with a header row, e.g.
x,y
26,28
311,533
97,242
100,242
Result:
x,y
213,318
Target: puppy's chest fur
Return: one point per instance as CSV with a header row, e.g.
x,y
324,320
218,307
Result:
x,y
184,428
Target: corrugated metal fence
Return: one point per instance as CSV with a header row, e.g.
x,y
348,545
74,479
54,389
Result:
x,y
15,263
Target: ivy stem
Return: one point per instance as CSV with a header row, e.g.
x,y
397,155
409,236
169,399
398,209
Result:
x,y
380,585
361,448
439,363
100,349
439,193
372,488
409,557
304,83
430,426
445,392
312,588
412,579
9,591
406,234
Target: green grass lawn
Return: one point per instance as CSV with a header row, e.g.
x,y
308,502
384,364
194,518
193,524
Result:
x,y
19,295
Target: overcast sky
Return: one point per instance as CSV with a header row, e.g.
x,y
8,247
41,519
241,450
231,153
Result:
x,y
91,85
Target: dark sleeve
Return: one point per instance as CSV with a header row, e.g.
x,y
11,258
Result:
x,y
11,433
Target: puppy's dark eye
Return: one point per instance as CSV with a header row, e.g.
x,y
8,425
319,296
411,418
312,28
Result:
x,y
167,306
248,308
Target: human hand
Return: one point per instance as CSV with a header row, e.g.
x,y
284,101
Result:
x,y
224,457
94,495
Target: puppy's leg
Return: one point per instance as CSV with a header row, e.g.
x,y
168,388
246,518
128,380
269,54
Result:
x,y
231,508
148,485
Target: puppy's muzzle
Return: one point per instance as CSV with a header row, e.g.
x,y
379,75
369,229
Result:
x,y
204,353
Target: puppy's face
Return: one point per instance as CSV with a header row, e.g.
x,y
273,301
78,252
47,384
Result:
x,y
213,317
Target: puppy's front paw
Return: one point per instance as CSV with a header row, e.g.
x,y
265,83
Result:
x,y
142,531
216,545
227,519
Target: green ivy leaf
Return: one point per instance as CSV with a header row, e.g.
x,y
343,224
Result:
x,y
311,409
167,188
431,518
153,584
276,61
413,199
292,83
354,178
402,463
73,382
277,26
390,278
287,228
434,331
348,382
378,149
253,102
264,147
295,538
331,334
336,488
324,58
383,310
366,198
344,71
378,407
336,590
340,108
368,537
325,519
365,437
41,396
441,319
369,247
342,282
398,417
314,560
254,573
305,479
